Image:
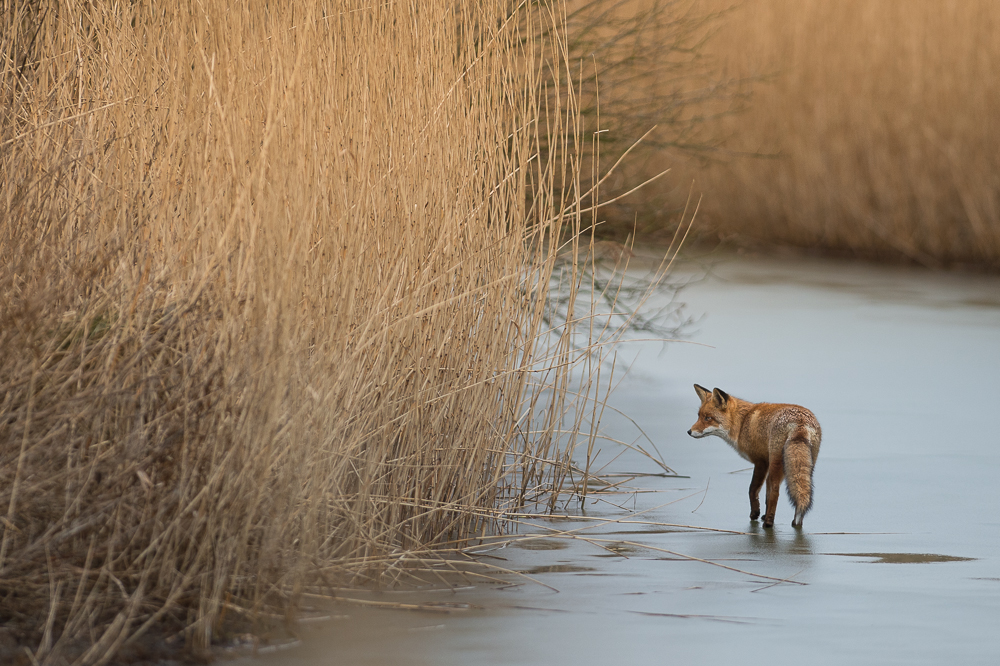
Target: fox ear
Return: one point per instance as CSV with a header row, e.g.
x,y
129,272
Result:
x,y
702,392
721,397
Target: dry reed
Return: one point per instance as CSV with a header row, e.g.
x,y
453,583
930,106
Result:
x,y
642,71
273,303
862,126
877,119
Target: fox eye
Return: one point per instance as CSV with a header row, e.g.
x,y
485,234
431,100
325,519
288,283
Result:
x,y
708,418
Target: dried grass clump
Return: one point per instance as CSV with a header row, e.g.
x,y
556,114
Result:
x,y
273,303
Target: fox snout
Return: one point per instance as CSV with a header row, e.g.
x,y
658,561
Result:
x,y
695,433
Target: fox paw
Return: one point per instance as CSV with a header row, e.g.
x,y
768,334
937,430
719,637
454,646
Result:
x,y
754,515
768,523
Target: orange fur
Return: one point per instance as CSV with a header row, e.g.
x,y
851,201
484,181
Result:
x,y
782,441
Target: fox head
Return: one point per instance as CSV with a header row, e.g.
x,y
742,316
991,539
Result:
x,y
713,416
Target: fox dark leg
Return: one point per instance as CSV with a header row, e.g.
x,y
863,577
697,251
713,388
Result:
x,y
775,473
759,473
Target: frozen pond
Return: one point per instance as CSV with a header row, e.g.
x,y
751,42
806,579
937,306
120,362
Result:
x,y
900,553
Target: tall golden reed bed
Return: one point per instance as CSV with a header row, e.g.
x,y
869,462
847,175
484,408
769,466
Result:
x,y
272,302
860,126
879,119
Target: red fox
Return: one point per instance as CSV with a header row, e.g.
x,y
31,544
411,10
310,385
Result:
x,y
780,441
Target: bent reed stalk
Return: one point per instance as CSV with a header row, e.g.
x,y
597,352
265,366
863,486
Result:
x,y
273,302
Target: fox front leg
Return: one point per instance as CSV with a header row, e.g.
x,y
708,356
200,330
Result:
x,y
759,473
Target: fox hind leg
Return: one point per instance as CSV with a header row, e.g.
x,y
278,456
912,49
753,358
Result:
x,y
775,473
759,473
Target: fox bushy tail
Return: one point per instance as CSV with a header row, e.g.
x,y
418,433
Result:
x,y
798,460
